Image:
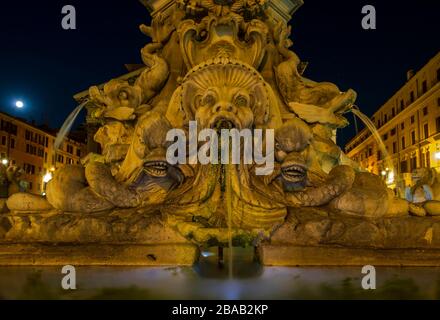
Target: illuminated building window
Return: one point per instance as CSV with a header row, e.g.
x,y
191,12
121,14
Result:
x,y
424,87
404,166
426,130
413,163
428,159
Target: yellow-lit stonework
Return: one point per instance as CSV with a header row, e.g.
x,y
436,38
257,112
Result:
x,y
225,65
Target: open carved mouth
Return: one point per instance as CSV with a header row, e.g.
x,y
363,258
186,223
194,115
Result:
x,y
223,122
156,168
294,173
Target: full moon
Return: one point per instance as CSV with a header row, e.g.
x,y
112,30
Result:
x,y
19,104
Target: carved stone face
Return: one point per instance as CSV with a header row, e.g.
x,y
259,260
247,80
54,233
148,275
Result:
x,y
224,108
224,94
291,143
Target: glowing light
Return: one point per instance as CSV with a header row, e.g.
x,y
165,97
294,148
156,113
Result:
x,y
390,177
384,173
19,104
5,162
47,177
437,155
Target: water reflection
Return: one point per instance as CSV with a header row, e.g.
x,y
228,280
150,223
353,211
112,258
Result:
x,y
203,282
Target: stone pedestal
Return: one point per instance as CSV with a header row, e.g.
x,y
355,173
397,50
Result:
x,y
293,256
123,237
315,237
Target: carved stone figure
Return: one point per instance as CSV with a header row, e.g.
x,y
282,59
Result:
x,y
225,64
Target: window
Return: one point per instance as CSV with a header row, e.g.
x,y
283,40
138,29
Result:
x,y
394,147
385,137
3,140
69,149
402,125
403,143
78,152
393,132
12,143
404,166
379,155
412,119
413,164
424,87
393,112
28,135
413,137
385,118
60,158
411,96
402,105
428,159
9,127
425,111
426,130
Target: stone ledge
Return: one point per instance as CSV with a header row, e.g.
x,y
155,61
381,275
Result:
x,y
98,255
290,256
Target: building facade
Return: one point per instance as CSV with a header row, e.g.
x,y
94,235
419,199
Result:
x,y
409,125
32,148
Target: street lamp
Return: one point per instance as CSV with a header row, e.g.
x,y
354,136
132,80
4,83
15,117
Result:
x,y
5,162
47,177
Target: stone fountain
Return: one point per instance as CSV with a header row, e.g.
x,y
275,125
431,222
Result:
x,y
224,64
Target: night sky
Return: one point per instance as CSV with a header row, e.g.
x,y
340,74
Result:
x,y
45,65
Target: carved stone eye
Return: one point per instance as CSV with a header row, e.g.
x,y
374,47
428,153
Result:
x,y
208,100
241,101
123,95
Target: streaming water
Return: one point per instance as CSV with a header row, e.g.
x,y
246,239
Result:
x,y
228,197
67,125
370,125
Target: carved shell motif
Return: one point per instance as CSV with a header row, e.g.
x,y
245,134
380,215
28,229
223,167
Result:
x,y
215,37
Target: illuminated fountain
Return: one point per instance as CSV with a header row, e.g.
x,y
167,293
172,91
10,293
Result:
x,y
225,65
